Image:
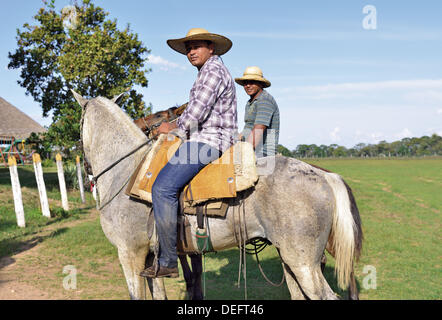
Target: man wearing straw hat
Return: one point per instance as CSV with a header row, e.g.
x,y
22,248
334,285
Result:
x,y
210,124
261,115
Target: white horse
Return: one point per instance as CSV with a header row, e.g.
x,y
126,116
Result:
x,y
300,209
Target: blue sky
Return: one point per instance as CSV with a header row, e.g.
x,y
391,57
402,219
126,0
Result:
x,y
334,80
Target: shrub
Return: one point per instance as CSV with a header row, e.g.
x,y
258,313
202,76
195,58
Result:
x,y
46,163
70,175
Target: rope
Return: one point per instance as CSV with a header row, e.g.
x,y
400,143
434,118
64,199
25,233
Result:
x,y
204,254
113,197
265,277
239,243
258,246
242,245
244,249
204,276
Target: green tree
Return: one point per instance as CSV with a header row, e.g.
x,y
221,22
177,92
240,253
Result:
x,y
340,151
78,48
301,150
39,144
324,150
284,151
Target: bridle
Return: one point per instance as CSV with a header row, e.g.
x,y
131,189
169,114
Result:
x,y
151,136
88,167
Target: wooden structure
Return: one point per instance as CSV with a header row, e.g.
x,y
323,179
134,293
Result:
x,y
10,147
15,128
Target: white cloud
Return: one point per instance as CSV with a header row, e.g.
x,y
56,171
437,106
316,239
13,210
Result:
x,y
376,137
406,133
439,111
164,64
334,135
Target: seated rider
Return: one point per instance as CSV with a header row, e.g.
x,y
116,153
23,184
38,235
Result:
x,y
261,115
210,123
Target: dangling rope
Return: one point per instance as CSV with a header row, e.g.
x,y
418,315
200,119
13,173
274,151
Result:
x,y
204,276
258,246
242,244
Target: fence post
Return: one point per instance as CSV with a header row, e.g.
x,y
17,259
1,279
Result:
x,y
41,185
16,191
62,182
80,180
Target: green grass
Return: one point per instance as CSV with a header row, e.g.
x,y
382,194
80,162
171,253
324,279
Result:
x,y
400,203
12,236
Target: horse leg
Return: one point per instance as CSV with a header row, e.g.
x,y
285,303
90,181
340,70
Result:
x,y
187,275
353,293
157,289
197,270
156,285
307,273
323,262
133,263
292,285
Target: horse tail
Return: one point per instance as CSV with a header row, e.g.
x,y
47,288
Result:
x,y
345,241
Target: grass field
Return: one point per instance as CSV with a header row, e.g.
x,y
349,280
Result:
x,y
400,202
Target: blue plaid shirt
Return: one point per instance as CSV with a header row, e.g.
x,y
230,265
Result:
x,y
211,116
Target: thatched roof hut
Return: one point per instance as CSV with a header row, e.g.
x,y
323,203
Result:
x,y
15,123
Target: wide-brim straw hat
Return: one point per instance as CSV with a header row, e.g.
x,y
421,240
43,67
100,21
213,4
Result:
x,y
222,44
253,74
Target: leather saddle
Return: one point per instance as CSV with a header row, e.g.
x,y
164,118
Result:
x,y
209,193
233,172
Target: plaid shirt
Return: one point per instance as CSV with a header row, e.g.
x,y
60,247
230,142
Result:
x,y
210,116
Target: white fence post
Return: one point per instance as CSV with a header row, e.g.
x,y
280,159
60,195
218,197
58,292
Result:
x,y
41,185
80,180
16,191
62,182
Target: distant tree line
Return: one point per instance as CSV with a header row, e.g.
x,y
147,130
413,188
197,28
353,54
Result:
x,y
407,147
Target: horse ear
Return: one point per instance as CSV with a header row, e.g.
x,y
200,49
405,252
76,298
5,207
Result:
x,y
82,101
117,98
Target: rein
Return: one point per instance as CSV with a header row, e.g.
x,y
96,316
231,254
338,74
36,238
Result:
x,y
95,178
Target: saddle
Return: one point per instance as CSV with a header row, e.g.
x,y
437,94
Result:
x,y
209,193
223,178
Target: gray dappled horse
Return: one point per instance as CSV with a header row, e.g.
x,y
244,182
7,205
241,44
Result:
x,y
302,210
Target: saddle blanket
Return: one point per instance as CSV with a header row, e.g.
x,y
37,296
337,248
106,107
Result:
x,y
235,171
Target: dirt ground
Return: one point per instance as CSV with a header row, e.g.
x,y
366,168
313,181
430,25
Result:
x,y
11,288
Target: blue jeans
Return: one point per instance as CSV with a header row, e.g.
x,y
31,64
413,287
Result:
x,y
189,159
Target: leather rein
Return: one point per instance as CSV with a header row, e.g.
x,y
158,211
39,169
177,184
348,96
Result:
x,y
148,132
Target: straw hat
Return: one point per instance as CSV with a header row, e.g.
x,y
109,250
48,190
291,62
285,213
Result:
x,y
253,74
222,44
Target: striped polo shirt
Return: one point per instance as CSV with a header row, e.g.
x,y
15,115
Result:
x,y
263,110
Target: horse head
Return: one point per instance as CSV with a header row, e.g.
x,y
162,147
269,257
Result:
x,y
106,131
150,124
